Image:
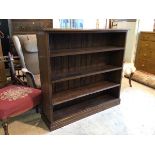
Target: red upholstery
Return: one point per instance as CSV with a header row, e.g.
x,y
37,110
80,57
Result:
x,y
17,99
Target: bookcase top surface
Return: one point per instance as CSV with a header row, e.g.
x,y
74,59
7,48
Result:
x,y
83,30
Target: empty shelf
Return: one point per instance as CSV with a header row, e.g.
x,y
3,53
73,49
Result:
x,y
59,77
75,93
65,52
85,106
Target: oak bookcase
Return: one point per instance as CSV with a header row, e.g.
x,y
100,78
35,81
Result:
x,y
80,72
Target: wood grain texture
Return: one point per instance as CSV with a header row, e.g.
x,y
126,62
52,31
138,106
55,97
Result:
x,y
65,52
80,72
67,116
84,73
3,79
145,54
81,106
45,74
24,26
72,94
54,30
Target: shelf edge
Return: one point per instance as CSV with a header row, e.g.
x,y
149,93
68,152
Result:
x,y
88,74
82,114
57,54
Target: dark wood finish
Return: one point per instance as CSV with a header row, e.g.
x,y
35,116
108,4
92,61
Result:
x,y
65,52
67,115
78,66
19,26
45,74
130,78
84,73
80,106
80,72
54,30
72,94
5,40
5,127
3,79
79,115
145,56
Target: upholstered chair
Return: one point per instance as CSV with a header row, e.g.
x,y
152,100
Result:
x,y
26,47
16,99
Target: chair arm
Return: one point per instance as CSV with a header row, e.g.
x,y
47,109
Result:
x,y
14,78
29,74
11,64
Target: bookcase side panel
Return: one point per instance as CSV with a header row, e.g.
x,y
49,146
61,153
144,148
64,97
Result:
x,y
45,74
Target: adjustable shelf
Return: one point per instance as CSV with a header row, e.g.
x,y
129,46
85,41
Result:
x,y
72,94
80,73
82,107
65,52
59,77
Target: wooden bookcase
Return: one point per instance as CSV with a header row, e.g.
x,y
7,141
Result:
x,y
3,79
80,72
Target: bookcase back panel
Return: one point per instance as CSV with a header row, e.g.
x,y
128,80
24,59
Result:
x,y
113,77
115,58
80,64
76,83
85,102
85,40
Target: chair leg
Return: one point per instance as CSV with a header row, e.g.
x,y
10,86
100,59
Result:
x,y
37,109
130,78
5,127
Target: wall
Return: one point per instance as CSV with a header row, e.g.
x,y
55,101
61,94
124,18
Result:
x,y
134,29
56,23
131,40
146,25
87,23
94,23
